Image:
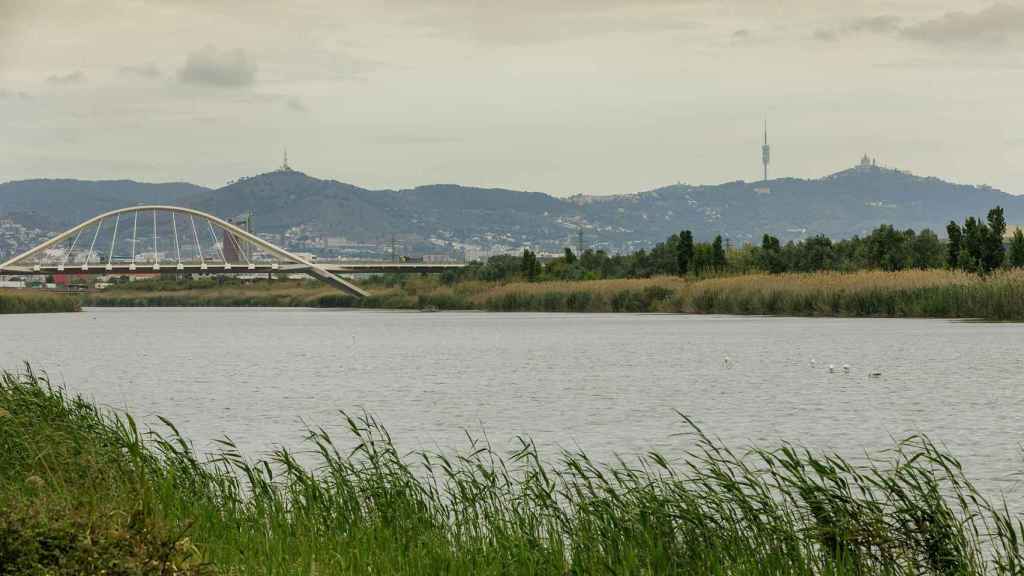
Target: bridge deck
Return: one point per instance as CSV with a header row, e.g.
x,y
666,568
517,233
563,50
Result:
x,y
234,268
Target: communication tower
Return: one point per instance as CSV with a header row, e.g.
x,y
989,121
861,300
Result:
x,y
766,152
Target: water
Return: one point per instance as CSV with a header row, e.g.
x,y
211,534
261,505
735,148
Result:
x,y
605,383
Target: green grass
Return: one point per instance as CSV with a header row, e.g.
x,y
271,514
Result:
x,y
28,301
84,491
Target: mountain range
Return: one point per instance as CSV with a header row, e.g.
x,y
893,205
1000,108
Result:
x,y
302,211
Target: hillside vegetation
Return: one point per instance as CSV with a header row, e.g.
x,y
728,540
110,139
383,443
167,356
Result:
x,y
441,218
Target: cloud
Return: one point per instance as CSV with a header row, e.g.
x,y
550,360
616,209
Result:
x,y
498,22
212,67
14,95
994,26
143,71
76,77
826,35
885,24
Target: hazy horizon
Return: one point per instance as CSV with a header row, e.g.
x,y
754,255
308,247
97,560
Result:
x,y
599,97
452,183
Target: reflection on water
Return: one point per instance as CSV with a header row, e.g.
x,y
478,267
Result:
x,y
605,383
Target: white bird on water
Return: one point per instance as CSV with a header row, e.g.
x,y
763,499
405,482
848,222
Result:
x,y
813,362
726,361
831,368
846,368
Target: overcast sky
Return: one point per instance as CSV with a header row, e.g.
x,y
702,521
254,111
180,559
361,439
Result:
x,y
559,96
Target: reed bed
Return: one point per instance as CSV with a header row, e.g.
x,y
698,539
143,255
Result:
x,y
29,301
912,293
915,293
617,295
256,295
85,491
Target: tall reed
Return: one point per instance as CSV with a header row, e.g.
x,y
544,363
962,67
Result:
x,y
364,507
29,301
913,293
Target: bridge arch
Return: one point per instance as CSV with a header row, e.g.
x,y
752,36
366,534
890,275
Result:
x,y
240,243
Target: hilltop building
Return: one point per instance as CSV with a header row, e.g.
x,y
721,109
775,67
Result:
x,y
867,162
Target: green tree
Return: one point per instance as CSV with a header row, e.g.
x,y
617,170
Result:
x,y
684,252
771,255
497,268
702,259
973,245
953,244
1017,249
530,267
718,261
889,249
994,254
927,250
665,257
815,253
570,258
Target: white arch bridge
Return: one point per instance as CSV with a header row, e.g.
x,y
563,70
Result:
x,y
175,239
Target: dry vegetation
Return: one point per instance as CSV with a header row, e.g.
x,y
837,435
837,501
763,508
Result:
x,y
28,301
913,293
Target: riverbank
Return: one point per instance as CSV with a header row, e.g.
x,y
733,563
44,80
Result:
x,y
85,491
29,301
906,294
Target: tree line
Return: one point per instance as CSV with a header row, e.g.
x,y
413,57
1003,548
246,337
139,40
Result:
x,y
976,246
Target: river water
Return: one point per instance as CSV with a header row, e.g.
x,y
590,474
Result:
x,y
606,383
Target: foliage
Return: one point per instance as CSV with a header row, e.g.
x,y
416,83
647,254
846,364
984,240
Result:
x,y
1017,249
954,240
153,505
981,244
530,266
718,260
684,252
994,253
976,247
934,293
771,255
28,301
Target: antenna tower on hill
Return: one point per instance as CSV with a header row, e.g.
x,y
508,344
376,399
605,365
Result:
x,y
284,166
766,151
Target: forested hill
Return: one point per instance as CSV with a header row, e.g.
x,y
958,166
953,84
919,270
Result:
x,y
62,203
847,203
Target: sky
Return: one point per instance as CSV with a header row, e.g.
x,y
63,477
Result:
x,y
558,96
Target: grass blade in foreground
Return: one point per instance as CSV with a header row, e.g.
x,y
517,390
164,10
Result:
x,y
83,491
